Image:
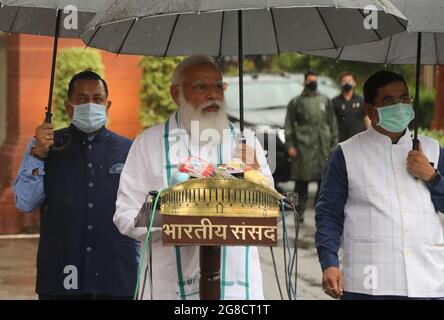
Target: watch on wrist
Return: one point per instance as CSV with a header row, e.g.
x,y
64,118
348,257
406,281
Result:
x,y
35,155
435,179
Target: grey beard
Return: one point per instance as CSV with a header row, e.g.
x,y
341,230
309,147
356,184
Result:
x,y
209,126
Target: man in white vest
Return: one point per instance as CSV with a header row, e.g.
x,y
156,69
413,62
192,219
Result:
x,y
200,128
382,200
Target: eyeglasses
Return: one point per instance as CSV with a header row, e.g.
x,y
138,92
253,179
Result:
x,y
389,101
202,87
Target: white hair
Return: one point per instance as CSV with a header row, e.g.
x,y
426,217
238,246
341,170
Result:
x,y
190,62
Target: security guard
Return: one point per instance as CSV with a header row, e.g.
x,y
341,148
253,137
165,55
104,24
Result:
x,y
349,109
311,132
81,253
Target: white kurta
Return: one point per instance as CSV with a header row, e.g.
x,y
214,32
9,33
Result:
x,y
145,170
393,239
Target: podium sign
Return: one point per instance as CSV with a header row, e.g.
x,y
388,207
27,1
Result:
x,y
216,212
219,212
218,231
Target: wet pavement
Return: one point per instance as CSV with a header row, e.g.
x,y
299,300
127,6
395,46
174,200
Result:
x,y
18,259
17,268
308,285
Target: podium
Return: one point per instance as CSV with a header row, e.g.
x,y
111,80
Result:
x,y
216,212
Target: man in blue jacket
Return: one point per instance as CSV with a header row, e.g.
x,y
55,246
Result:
x,y
81,253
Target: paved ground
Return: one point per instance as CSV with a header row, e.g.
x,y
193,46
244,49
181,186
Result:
x,y
17,264
309,271
17,268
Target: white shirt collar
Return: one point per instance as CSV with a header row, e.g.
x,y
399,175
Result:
x,y
379,137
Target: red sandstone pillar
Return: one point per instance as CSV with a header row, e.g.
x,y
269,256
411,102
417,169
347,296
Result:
x,y
123,77
11,220
438,118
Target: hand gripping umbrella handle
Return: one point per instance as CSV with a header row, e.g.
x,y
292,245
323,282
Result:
x,y
416,144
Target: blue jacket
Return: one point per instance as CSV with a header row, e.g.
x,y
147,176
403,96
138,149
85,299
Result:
x,y
76,190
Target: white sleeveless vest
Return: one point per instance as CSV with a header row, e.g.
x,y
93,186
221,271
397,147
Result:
x,y
393,239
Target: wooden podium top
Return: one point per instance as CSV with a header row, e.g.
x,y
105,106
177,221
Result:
x,y
216,211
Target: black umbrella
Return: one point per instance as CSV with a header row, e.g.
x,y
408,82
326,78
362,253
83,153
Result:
x,y
44,17
223,28
426,35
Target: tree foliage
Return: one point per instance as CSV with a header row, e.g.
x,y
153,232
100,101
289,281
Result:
x,y
156,102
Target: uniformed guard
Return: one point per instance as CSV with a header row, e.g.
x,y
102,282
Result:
x,y
311,133
349,109
81,253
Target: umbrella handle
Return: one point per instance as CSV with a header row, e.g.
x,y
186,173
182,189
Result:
x,y
417,93
48,116
53,66
67,139
241,71
416,144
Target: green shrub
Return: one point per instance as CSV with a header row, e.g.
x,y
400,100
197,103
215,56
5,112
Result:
x,y
156,102
233,70
435,134
70,62
426,106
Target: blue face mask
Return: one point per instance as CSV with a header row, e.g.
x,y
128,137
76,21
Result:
x,y
89,117
395,118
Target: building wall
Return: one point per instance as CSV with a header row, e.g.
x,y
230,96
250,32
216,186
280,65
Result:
x,y
438,119
121,72
2,87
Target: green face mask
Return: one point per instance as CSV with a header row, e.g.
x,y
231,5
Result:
x,y
395,118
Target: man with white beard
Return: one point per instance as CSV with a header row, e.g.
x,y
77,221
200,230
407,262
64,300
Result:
x,y
200,129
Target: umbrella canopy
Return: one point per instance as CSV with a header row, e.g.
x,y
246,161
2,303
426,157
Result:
x,y
38,17
47,17
187,27
425,16
229,27
426,35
